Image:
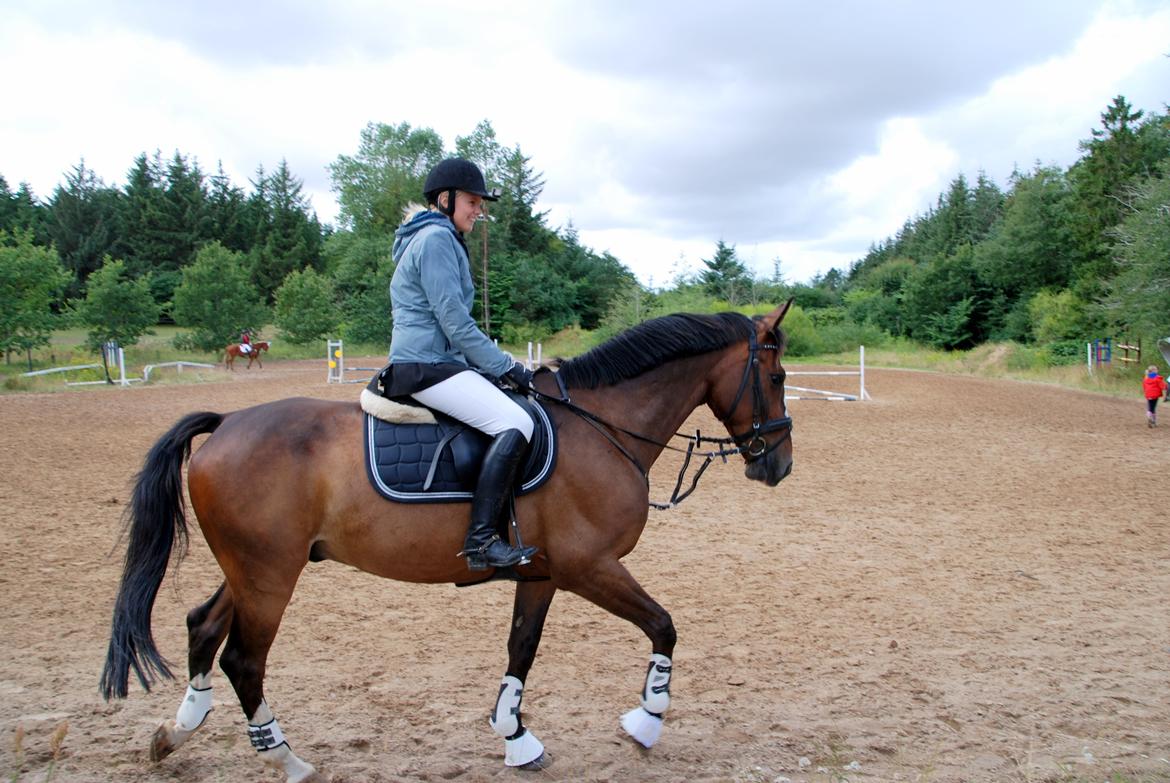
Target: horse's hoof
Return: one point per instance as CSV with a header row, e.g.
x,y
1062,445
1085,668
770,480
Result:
x,y
543,761
160,744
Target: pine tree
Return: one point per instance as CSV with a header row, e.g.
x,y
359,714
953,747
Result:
x,y
83,224
227,213
21,212
7,206
953,221
1112,157
187,224
289,238
725,277
986,207
144,243
520,227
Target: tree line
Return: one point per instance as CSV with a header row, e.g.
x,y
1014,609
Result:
x,y
176,244
1057,257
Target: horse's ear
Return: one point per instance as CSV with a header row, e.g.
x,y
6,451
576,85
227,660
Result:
x,y
773,319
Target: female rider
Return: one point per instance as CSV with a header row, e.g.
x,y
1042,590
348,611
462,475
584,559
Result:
x,y
437,353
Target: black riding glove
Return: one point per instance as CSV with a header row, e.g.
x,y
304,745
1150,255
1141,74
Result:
x,y
520,377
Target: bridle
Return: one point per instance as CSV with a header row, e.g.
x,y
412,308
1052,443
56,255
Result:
x,y
751,442
756,446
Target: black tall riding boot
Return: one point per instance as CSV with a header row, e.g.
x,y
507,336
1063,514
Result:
x,y
484,548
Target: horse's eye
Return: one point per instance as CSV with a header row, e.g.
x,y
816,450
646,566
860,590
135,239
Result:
x,y
777,378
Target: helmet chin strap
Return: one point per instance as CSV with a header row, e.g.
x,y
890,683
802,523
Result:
x,y
449,210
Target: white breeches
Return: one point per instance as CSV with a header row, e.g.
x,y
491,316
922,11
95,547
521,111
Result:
x,y
477,402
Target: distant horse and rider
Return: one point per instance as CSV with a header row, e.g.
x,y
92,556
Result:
x,y
251,350
614,410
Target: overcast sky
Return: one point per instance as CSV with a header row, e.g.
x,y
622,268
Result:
x,y
796,131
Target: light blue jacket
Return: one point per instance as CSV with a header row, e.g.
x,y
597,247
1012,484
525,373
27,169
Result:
x,y
431,295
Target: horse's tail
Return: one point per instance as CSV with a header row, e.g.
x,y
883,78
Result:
x,y
157,519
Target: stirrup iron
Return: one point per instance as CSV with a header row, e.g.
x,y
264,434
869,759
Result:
x,y
477,558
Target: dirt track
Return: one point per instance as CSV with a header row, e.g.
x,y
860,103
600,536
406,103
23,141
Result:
x,y
963,580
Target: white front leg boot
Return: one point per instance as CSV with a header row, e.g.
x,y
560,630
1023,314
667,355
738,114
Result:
x,y
644,723
520,745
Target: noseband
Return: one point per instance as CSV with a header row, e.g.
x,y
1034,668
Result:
x,y
750,443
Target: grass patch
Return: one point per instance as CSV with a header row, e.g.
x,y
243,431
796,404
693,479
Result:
x,y
565,344
1010,361
992,360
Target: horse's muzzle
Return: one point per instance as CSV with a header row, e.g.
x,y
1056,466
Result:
x,y
771,469
769,463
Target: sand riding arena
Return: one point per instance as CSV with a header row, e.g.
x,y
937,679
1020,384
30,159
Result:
x,y
962,580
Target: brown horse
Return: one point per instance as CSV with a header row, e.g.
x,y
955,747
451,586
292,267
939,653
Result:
x,y
615,407
232,351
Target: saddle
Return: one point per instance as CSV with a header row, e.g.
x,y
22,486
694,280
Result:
x,y
437,459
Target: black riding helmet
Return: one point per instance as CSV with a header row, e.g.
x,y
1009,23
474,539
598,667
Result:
x,y
455,174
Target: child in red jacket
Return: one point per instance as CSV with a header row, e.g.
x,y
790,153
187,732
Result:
x,y
1154,387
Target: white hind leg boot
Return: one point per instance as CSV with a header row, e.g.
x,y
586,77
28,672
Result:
x,y
644,724
196,705
190,716
268,740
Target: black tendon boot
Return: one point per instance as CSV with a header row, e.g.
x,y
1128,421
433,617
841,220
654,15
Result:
x,y
483,547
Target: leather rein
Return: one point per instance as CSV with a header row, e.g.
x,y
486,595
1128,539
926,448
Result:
x,y
751,442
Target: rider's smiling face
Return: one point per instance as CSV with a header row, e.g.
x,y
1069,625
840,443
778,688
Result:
x,y
468,208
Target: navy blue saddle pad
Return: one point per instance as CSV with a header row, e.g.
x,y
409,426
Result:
x,y
439,463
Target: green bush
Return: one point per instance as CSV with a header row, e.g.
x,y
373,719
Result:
x,y
1064,352
216,300
828,333
367,318
522,333
1056,316
847,336
803,337
116,307
305,308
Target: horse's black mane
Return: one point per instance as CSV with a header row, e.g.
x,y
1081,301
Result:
x,y
652,343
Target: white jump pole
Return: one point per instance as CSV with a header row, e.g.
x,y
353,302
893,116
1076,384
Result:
x,y
862,394
122,366
821,394
534,358
113,354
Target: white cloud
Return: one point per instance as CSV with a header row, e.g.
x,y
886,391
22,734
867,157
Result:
x,y
878,192
792,131
1039,114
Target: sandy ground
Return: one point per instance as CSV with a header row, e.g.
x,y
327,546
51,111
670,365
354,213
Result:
x,y
963,580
